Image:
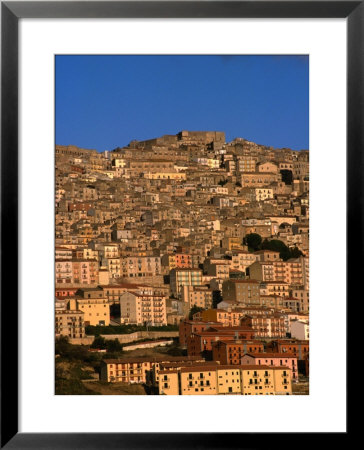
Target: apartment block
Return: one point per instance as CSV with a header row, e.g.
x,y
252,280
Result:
x,y
184,277
245,292
231,351
141,309
273,359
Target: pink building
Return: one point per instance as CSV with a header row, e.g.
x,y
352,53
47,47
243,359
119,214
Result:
x,y
273,359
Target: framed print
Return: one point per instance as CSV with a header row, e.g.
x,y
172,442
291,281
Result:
x,y
168,169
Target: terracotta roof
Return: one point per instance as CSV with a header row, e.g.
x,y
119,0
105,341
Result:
x,y
244,281
213,365
152,359
239,342
125,285
272,355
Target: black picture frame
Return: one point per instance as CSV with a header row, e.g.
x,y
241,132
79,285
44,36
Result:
x,y
11,12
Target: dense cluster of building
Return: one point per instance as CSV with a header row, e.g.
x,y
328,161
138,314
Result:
x,y
195,376
147,232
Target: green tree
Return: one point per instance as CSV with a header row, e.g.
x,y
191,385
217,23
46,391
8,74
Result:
x,y
99,342
195,309
278,246
295,252
176,351
62,345
253,241
216,298
113,345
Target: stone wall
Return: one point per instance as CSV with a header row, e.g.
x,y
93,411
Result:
x,y
126,338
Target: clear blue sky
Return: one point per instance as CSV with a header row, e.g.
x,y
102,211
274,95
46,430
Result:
x,y
103,102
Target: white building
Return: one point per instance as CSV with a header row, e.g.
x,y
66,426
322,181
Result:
x,y
140,309
300,329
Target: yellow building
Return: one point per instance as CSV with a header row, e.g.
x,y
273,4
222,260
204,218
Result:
x,y
274,288
110,251
126,371
69,323
198,381
140,266
246,164
282,380
165,176
119,162
104,277
232,243
89,253
168,382
200,296
96,311
168,261
262,194
265,380
93,304
240,260
139,370
267,167
209,379
228,380
113,267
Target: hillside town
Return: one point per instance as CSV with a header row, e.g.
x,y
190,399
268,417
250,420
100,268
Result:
x,y
182,265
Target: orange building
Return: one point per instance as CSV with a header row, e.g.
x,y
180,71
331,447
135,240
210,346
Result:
x,y
188,327
183,260
66,292
229,318
177,260
202,341
293,346
136,370
268,325
231,351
